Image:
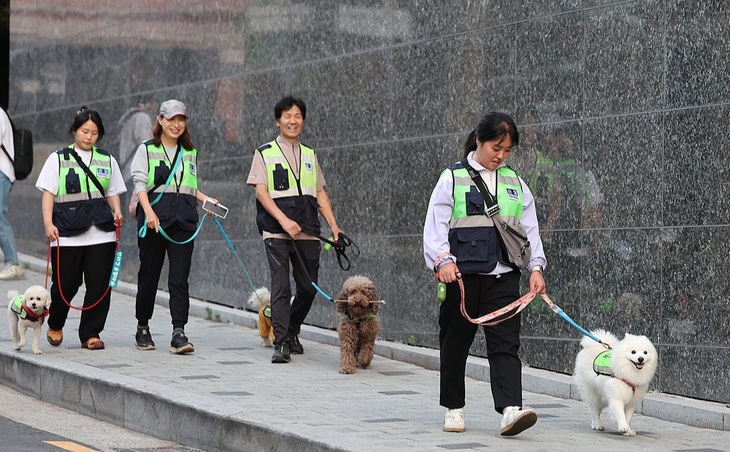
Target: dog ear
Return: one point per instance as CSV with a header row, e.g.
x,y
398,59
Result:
x,y
48,299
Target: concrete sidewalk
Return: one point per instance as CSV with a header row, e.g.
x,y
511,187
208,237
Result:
x,y
227,396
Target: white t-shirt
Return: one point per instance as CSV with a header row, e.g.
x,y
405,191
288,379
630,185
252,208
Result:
x,y
6,136
48,181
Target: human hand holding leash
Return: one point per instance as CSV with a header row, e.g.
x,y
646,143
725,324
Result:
x,y
537,282
449,273
51,232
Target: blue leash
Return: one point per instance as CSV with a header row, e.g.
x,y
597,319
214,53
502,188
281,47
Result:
x,y
556,309
304,267
230,245
245,270
143,232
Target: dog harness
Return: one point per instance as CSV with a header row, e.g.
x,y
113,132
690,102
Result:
x,y
364,319
602,366
23,312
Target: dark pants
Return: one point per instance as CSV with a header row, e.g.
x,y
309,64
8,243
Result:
x,y
152,250
78,264
484,294
287,319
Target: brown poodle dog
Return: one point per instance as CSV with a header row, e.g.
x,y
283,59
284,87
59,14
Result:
x,y
357,323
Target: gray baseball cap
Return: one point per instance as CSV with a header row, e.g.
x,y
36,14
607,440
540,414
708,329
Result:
x,y
171,108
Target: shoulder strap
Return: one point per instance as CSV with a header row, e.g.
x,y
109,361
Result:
x,y
492,206
178,159
88,172
7,153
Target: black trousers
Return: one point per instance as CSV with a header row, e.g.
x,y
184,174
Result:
x,y
152,250
81,264
287,319
484,294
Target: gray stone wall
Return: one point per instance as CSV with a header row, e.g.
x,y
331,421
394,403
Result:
x,y
622,106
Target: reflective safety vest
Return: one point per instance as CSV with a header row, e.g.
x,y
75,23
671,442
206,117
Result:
x,y
178,203
25,313
473,238
79,203
297,198
602,363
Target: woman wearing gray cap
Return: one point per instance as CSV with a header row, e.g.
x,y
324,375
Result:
x,y
165,174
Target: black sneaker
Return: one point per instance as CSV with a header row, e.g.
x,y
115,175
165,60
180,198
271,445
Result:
x,y
281,353
180,344
144,339
295,346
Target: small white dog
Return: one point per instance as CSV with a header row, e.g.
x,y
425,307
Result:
x,y
28,310
617,381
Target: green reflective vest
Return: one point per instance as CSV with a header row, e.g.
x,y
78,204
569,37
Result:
x,y
473,238
74,184
178,203
602,363
17,307
79,203
297,198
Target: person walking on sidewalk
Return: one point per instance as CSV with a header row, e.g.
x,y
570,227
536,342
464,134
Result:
x,y
13,269
461,242
289,186
166,164
81,209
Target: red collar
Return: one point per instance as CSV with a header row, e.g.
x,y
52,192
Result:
x,y
30,315
631,385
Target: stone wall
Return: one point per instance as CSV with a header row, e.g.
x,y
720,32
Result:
x,y
622,107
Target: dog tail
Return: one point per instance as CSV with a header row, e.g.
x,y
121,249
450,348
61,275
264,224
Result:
x,y
12,294
262,295
603,335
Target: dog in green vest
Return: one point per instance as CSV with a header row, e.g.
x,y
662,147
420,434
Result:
x,y
615,378
28,310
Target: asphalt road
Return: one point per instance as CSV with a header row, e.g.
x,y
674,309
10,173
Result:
x,y
30,425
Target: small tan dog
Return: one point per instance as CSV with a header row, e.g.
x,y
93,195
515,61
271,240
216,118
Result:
x,y
357,323
261,301
28,310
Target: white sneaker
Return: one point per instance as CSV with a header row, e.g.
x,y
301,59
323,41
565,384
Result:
x,y
454,420
12,271
515,420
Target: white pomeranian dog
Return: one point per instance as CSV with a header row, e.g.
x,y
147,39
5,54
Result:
x,y
617,378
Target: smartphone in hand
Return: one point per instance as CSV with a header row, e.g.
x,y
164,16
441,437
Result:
x,y
218,210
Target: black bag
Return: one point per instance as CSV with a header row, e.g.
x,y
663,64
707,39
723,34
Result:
x,y
513,236
23,143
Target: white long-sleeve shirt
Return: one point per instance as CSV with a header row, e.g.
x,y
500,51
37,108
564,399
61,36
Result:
x,y
436,227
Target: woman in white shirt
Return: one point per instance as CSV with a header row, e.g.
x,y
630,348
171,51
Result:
x,y
81,209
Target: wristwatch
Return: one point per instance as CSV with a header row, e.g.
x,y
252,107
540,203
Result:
x,y
536,268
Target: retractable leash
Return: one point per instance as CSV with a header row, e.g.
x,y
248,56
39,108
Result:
x,y
113,279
